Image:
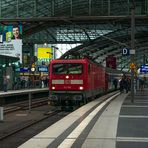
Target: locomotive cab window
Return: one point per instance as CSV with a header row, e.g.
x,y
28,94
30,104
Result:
x,y
67,68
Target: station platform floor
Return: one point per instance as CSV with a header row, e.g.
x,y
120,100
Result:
x,y
118,124
22,91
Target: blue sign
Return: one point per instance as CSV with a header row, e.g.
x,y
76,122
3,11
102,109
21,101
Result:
x,y
24,69
43,69
144,68
125,51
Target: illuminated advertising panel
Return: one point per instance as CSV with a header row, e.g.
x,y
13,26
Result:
x,y
44,54
11,41
43,69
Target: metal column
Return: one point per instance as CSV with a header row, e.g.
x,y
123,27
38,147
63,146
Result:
x,y
132,49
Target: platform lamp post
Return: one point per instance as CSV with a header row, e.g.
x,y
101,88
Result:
x,y
54,47
50,54
48,66
132,52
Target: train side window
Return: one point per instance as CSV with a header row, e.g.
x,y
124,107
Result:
x,y
89,69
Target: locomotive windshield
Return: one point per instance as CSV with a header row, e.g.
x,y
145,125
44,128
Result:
x,y
67,68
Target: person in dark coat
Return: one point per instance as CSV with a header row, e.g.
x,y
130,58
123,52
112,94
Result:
x,y
115,83
121,85
141,84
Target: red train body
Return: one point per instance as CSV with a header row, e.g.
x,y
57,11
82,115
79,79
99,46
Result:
x,y
75,80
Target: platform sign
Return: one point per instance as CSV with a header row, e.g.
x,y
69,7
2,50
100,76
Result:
x,y
132,51
24,69
144,69
125,51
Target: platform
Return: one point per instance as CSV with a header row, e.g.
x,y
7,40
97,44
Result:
x,y
133,122
22,91
115,124
17,93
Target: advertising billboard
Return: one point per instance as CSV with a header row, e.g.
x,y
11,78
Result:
x,y
44,54
11,32
43,69
11,41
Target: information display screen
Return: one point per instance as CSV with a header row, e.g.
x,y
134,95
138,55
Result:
x,y
144,68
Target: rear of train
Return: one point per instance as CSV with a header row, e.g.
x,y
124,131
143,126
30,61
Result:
x,y
74,81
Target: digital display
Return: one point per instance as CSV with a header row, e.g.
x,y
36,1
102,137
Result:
x,y
144,68
24,69
43,69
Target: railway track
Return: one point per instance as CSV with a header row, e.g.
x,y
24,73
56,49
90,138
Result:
x,y
27,130
32,127
24,105
26,125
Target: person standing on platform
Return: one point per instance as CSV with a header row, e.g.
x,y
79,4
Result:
x,y
126,84
5,83
115,83
129,83
121,85
141,85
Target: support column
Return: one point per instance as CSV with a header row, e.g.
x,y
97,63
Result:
x,y
132,49
17,8
52,4
71,13
89,7
108,7
35,3
0,8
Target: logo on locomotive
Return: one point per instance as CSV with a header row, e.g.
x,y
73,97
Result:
x,y
67,82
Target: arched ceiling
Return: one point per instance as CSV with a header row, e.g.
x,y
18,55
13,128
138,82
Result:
x,y
113,44
103,27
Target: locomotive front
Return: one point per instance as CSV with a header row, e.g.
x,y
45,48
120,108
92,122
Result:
x,y
66,81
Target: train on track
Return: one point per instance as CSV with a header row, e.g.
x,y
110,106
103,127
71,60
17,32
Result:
x,y
76,81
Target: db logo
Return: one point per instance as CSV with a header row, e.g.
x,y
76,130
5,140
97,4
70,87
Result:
x,y
67,82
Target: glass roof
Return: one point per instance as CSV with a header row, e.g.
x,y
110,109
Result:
x,y
101,26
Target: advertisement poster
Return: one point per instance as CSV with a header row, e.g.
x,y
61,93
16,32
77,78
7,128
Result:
x,y
111,62
12,49
11,41
44,55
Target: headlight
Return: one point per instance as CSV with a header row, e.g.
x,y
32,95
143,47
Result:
x,y
81,87
67,77
53,87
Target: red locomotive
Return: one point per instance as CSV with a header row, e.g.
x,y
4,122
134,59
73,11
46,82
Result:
x,y
75,80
